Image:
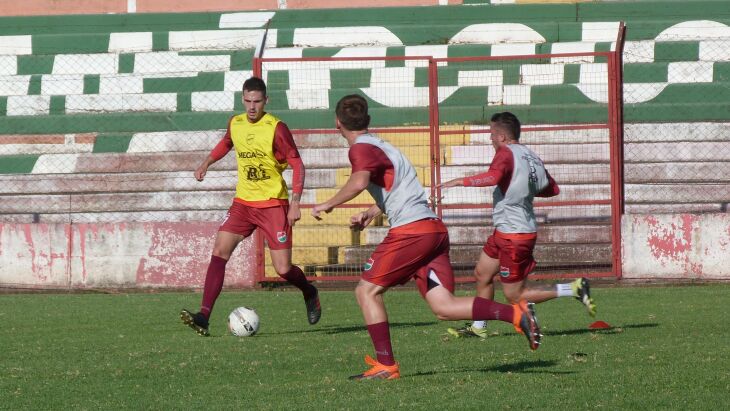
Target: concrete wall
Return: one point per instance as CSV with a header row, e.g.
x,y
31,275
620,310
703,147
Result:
x,y
116,255
680,246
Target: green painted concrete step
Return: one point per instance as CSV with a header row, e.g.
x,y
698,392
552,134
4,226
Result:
x,y
698,110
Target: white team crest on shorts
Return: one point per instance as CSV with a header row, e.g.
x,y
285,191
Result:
x,y
368,264
504,271
281,236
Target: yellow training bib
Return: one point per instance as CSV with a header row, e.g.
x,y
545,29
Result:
x,y
259,173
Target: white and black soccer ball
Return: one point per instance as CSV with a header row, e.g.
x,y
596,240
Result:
x,y
243,322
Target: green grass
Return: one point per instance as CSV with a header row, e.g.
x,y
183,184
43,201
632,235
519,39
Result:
x,y
670,350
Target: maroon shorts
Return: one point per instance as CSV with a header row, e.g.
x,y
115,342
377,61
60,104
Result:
x,y
412,250
242,219
514,252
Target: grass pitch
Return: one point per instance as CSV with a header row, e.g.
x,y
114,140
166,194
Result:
x,y
670,349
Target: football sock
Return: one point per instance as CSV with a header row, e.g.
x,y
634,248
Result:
x,y
380,334
295,276
564,290
484,309
213,284
478,324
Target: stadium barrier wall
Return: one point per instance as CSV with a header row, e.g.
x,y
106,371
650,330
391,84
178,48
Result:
x,y
116,255
676,93
676,246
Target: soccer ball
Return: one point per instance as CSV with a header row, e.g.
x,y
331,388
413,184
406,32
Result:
x,y
243,322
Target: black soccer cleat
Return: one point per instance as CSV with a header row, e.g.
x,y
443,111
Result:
x,y
196,321
314,310
528,324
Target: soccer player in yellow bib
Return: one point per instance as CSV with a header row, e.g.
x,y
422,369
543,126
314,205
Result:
x,y
264,147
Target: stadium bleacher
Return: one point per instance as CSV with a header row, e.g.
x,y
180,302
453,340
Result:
x,y
103,118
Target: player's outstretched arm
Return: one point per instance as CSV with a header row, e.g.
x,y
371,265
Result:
x,y
294,213
218,152
452,183
362,219
203,168
355,185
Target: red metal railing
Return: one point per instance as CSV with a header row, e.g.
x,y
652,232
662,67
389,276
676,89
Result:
x,y
614,125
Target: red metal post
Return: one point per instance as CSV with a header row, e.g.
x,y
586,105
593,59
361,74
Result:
x,y
620,104
615,106
256,66
614,126
618,153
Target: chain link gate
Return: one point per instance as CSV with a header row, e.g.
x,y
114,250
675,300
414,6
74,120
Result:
x,y
436,111
308,89
93,149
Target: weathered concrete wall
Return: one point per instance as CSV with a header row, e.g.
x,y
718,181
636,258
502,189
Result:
x,y
116,255
683,246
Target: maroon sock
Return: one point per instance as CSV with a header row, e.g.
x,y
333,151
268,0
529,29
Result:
x,y
380,334
213,284
484,309
295,276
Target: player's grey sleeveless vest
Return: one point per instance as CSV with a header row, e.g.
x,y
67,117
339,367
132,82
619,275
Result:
x,y
513,211
406,201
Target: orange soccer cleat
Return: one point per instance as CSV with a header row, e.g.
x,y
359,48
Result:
x,y
525,322
378,371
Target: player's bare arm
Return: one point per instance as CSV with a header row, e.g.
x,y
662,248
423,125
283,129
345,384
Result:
x,y
294,213
362,219
203,168
452,183
355,185
218,152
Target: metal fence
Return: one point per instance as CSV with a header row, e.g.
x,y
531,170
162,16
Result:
x,y
90,139
436,111
672,166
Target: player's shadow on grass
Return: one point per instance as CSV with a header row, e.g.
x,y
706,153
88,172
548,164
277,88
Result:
x,y
613,330
337,329
523,367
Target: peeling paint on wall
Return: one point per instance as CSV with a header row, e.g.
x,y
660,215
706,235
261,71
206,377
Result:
x,y
116,255
676,246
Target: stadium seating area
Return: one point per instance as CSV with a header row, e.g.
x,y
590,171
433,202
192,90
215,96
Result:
x,y
103,118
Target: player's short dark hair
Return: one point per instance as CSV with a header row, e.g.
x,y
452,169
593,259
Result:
x,y
509,123
352,111
255,84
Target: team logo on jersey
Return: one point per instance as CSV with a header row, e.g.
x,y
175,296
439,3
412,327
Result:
x,y
368,264
504,271
281,236
259,173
